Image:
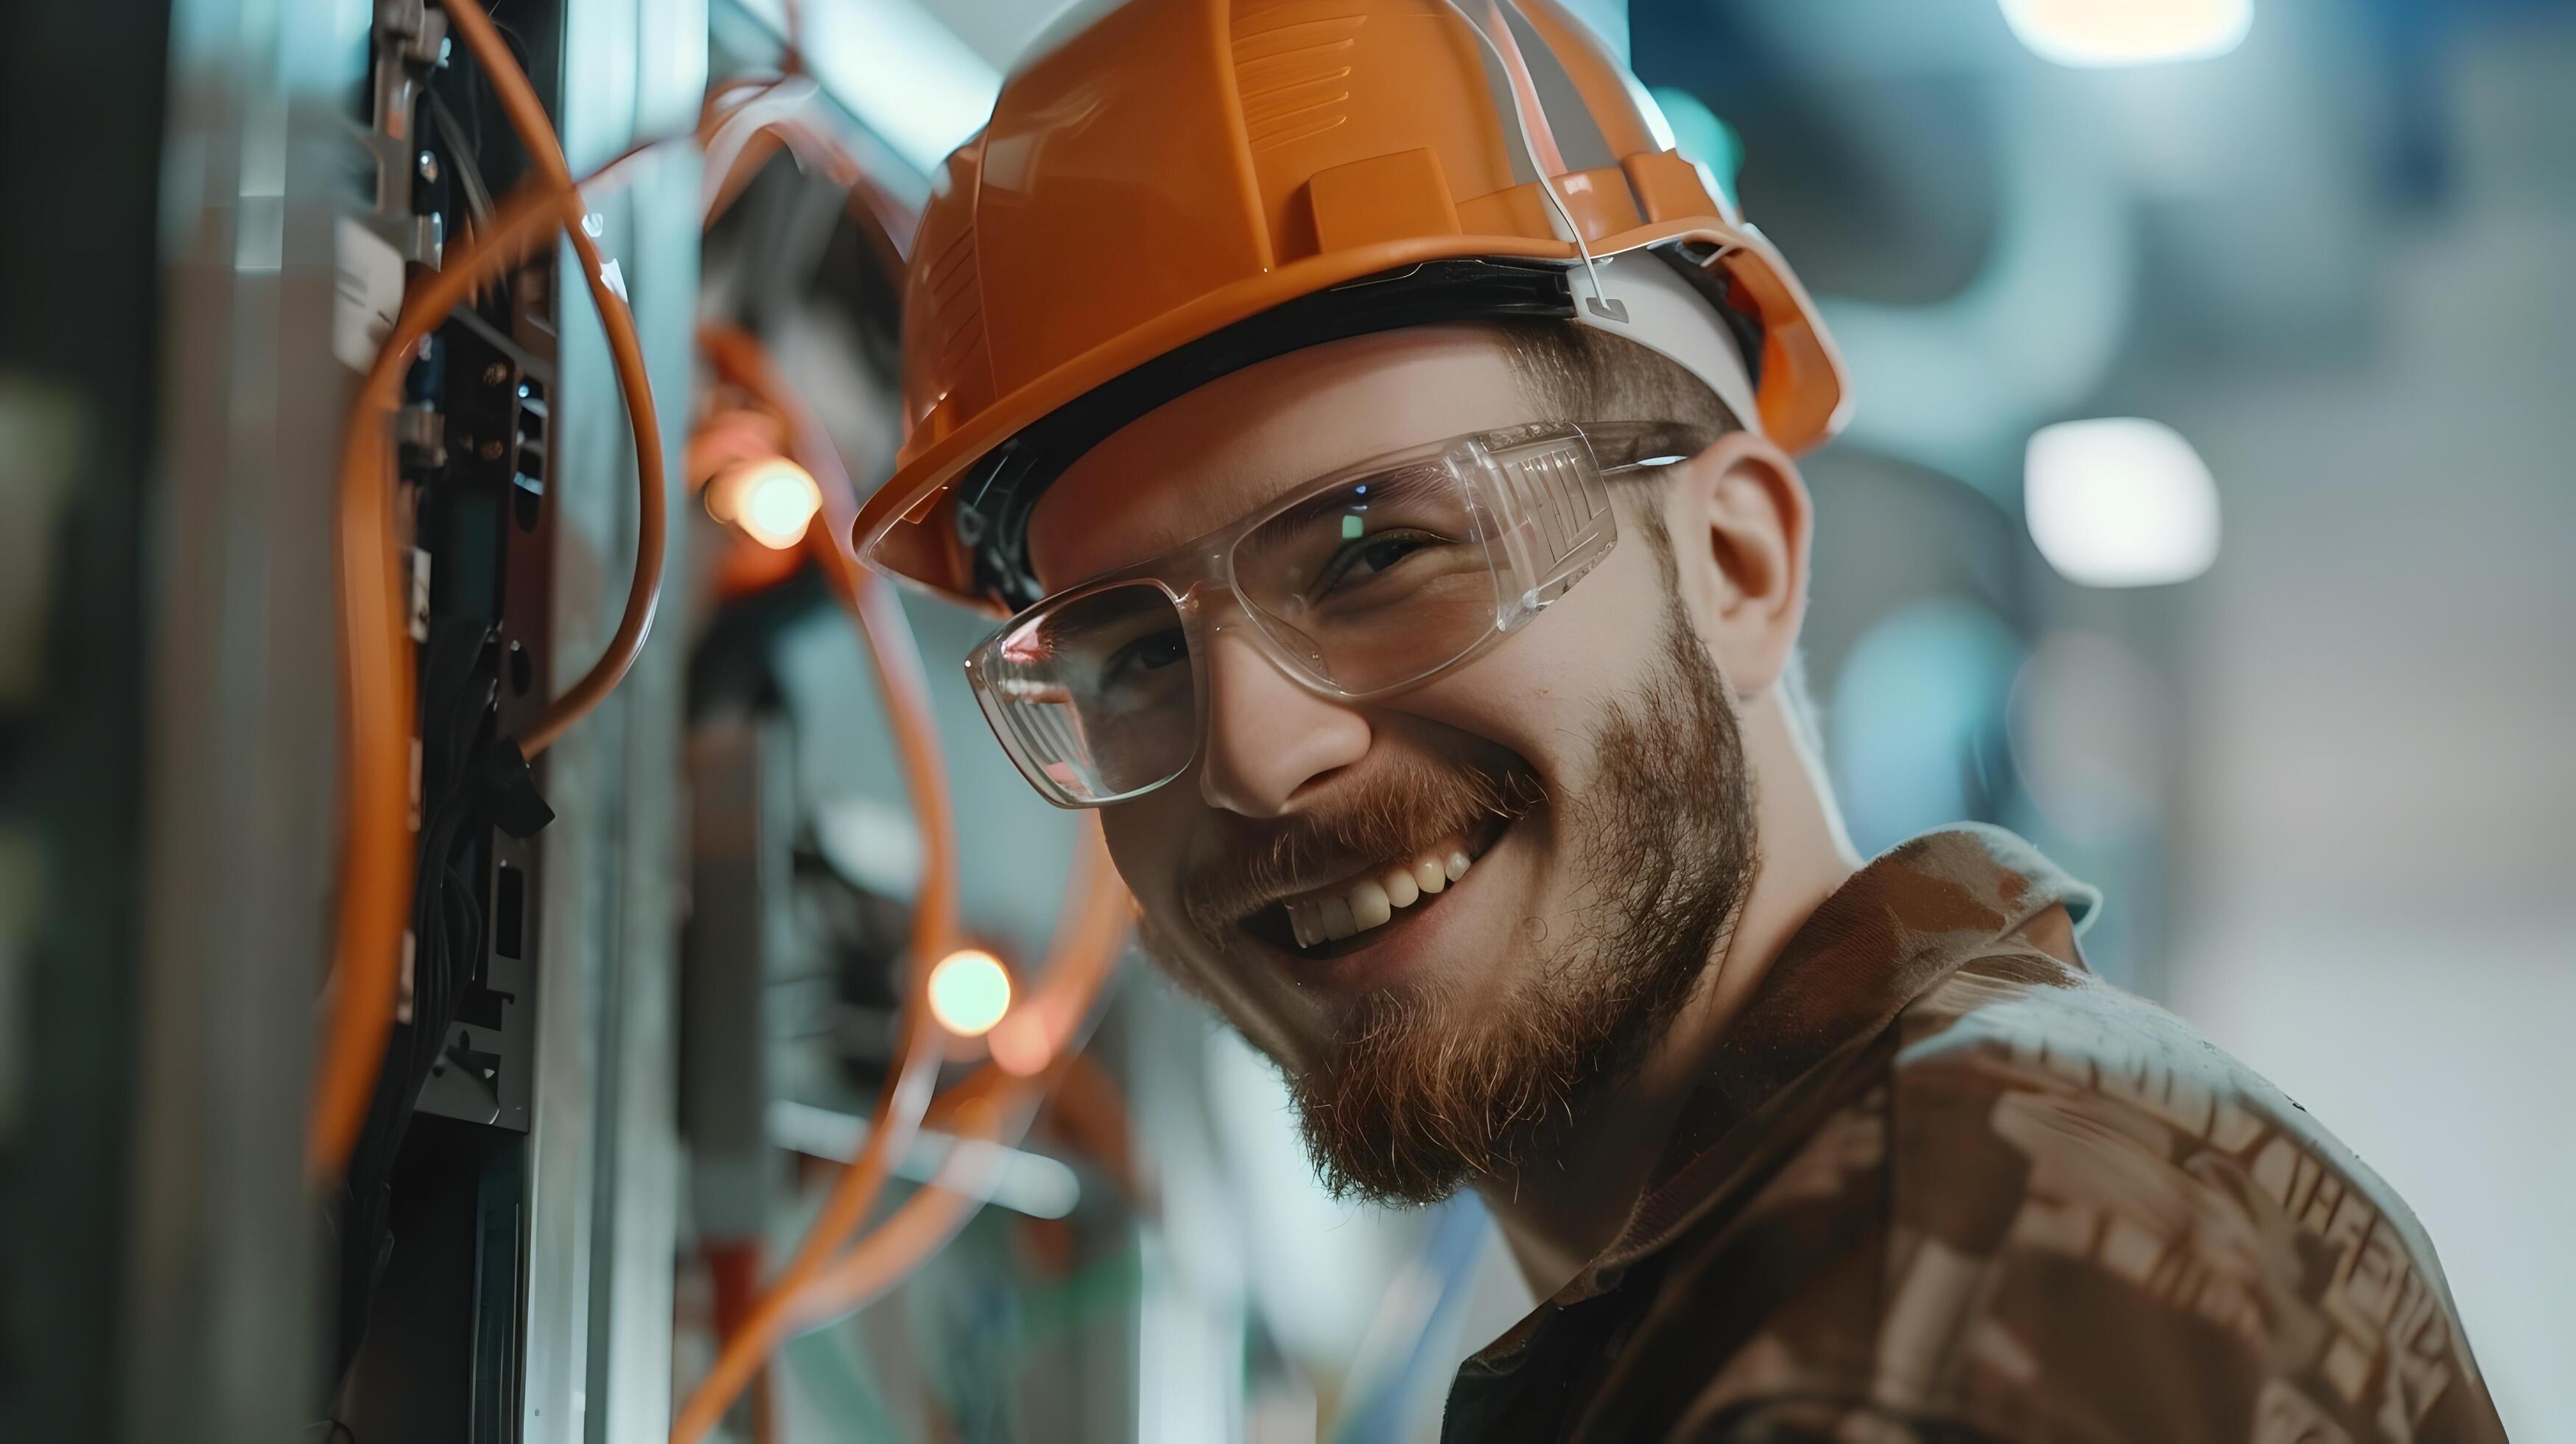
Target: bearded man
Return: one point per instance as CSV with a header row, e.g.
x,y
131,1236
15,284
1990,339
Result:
x,y
1381,442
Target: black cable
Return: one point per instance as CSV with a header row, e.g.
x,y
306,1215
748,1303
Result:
x,y
460,154
458,685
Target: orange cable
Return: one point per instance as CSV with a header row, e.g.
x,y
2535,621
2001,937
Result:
x,y
1081,956
378,697
1088,948
766,118
918,1048
626,349
377,703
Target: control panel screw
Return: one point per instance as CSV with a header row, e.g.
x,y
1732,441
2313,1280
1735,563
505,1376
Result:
x,y
429,167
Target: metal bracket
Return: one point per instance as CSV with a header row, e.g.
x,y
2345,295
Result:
x,y
411,39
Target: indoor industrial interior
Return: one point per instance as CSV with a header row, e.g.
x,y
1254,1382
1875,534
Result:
x,y
514,928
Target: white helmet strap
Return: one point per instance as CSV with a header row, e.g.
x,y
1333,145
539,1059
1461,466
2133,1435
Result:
x,y
1529,119
1662,311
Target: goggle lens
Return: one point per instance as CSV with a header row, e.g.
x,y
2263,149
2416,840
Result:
x,y
1375,582
1369,583
1097,691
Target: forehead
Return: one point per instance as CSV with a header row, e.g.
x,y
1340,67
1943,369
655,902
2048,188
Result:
x,y
1216,453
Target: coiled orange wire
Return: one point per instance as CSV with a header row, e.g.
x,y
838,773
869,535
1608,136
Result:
x,y
815,1286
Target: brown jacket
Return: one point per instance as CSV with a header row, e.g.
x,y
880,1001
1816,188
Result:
x,y
1942,1183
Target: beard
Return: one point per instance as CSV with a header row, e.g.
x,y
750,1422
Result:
x,y
1422,1091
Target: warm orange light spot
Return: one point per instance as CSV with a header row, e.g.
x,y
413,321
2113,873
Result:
x,y
772,499
1019,1046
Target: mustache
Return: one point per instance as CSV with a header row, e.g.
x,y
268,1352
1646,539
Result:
x,y
1405,808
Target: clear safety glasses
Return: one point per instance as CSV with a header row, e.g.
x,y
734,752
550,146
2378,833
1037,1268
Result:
x,y
1368,581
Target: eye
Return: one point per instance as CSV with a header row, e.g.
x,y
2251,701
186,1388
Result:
x,y
1150,653
1372,557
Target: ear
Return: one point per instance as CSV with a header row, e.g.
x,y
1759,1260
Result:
x,y
1741,521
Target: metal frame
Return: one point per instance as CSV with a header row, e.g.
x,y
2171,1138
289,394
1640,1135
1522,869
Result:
x,y
605,1174
242,715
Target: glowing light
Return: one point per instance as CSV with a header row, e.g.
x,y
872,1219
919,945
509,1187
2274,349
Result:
x,y
772,499
2120,502
2091,33
969,992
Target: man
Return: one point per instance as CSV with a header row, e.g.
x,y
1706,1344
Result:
x,y
1404,554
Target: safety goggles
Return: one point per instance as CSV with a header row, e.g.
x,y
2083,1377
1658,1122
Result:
x,y
1368,581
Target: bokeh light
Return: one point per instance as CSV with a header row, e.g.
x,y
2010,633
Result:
x,y
772,499
970,990
2120,502
2129,32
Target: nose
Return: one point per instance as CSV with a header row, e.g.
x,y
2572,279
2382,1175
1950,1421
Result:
x,y
1267,737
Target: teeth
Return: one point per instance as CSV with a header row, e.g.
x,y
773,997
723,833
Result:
x,y
1337,918
1372,901
1370,905
1401,890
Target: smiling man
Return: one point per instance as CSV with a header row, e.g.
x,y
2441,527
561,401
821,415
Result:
x,y
1380,442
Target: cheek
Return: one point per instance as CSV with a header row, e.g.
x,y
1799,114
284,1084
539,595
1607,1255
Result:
x,y
1149,839
1541,691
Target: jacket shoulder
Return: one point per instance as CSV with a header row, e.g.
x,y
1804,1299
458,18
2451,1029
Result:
x,y
2068,1163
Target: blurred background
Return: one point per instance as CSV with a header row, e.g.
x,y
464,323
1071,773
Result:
x,y
2204,517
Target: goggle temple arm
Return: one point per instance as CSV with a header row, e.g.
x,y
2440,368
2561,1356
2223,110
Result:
x,y
1552,519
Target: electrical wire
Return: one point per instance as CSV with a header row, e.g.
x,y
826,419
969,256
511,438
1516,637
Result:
x,y
460,154
1079,968
920,1043
1080,957
737,139
905,685
626,350
996,1108
1537,140
378,703
378,687
447,931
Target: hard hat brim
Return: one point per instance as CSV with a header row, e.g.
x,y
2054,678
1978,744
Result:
x,y
907,528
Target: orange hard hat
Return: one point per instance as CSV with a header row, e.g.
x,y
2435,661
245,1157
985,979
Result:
x,y
1172,189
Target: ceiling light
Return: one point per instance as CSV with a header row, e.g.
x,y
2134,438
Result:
x,y
2128,32
2120,502
969,992
772,498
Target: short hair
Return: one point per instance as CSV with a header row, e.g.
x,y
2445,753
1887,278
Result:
x,y
1584,374
1578,373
